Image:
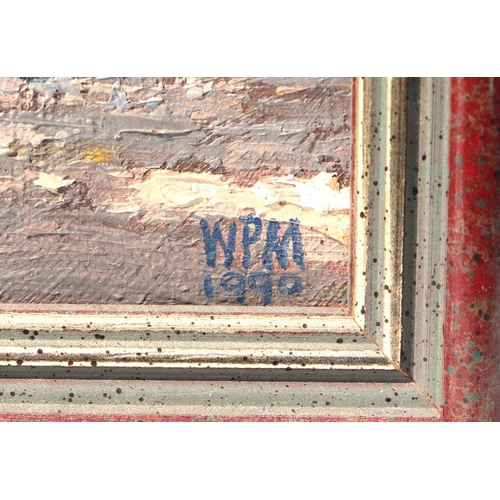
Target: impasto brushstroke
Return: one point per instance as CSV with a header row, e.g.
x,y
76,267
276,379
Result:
x,y
175,190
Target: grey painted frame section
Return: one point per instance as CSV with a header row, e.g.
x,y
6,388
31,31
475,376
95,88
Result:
x,y
280,364
426,221
378,208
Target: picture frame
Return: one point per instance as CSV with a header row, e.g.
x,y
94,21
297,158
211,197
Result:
x,y
388,359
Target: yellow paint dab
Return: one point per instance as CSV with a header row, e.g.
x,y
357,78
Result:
x,y
99,155
17,148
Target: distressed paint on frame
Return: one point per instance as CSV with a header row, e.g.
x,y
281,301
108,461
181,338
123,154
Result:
x,y
472,328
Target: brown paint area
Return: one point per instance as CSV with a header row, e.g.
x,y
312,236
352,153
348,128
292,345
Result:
x,y
103,185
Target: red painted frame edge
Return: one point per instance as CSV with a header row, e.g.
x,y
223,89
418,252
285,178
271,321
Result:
x,y
472,326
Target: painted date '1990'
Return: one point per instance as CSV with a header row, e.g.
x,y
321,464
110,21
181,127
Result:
x,y
258,282
274,246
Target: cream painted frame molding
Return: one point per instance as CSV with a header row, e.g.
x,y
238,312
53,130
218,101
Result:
x,y
214,363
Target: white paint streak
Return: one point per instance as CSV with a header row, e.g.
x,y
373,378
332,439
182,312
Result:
x,y
312,201
196,88
52,182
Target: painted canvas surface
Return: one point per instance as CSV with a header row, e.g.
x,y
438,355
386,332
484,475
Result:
x,y
204,191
